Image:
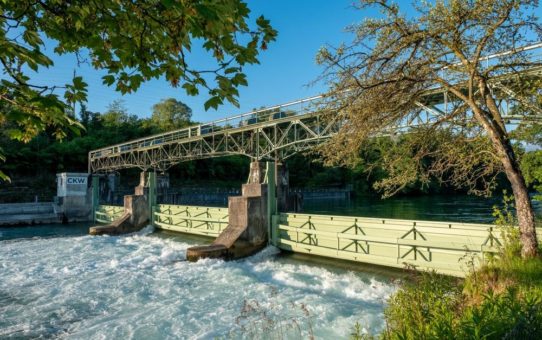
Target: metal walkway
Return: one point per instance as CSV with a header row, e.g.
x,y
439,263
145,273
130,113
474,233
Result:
x,y
275,132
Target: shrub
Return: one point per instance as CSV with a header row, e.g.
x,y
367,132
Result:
x,y
500,300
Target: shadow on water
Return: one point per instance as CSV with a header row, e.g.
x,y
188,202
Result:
x,y
43,231
338,265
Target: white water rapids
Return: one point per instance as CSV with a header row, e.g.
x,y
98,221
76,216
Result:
x,y
140,286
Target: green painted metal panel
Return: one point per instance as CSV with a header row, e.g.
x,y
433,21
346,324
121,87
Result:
x,y
442,246
152,194
108,213
197,220
271,197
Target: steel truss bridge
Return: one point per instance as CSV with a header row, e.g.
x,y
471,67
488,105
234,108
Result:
x,y
280,131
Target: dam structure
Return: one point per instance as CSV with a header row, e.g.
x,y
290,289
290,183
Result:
x,y
266,212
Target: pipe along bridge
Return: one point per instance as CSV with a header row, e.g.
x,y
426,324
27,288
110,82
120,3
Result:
x,y
263,215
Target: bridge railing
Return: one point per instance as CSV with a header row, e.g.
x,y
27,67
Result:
x,y
448,248
248,119
206,221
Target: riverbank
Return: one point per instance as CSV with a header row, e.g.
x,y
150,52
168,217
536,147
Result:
x,y
501,300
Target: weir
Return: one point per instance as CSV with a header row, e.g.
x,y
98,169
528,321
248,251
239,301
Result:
x,y
259,217
267,213
134,216
248,224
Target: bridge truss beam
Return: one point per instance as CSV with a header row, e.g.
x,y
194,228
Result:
x,y
283,130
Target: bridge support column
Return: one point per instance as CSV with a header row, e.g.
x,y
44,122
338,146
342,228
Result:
x,y
95,195
285,200
283,186
248,226
152,196
143,183
137,209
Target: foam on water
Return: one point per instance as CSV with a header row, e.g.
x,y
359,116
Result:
x,y
141,286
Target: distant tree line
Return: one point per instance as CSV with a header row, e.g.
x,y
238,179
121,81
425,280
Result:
x,y
32,166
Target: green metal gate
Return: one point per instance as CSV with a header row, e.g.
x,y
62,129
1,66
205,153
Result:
x,y
107,213
447,247
206,221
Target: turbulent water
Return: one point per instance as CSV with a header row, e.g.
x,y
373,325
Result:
x,y
140,286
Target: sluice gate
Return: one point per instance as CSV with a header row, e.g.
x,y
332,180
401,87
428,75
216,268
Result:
x,y
450,248
257,217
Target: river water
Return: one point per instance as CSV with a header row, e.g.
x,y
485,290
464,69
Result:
x,y
139,286
55,281
450,208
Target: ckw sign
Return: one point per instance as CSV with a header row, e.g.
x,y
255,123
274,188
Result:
x,y
76,180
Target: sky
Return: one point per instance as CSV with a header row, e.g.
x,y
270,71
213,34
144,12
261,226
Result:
x,y
285,73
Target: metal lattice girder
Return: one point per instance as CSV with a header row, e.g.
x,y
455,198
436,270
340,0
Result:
x,y
279,131
282,137
259,142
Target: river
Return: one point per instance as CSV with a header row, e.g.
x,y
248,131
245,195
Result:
x,y
56,281
450,208
140,286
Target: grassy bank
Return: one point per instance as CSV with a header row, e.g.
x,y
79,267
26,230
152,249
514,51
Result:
x,y
500,300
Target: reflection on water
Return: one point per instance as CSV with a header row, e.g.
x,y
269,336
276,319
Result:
x,y
45,230
451,208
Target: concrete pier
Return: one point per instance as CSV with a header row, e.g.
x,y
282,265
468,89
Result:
x,y
247,230
137,210
135,217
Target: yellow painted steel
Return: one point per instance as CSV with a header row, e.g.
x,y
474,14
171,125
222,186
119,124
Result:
x,y
108,213
206,221
446,247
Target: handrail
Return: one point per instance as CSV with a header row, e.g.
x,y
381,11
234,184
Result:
x,y
212,123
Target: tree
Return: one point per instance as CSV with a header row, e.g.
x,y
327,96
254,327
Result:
x,y
133,41
116,115
382,79
170,114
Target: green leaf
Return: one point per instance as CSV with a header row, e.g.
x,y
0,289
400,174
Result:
x,y
4,177
167,3
108,80
32,38
213,102
191,89
78,83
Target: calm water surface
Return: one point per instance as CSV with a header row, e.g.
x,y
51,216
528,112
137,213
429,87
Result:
x,y
55,281
450,208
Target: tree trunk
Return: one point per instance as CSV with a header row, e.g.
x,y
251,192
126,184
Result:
x,y
505,152
524,208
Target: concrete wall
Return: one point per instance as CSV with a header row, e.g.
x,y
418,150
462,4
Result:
x,y
75,208
28,213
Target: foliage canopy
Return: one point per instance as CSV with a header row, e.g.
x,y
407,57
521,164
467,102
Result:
x,y
383,79
170,114
132,41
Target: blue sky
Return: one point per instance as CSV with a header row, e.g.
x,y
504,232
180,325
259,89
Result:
x,y
286,68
